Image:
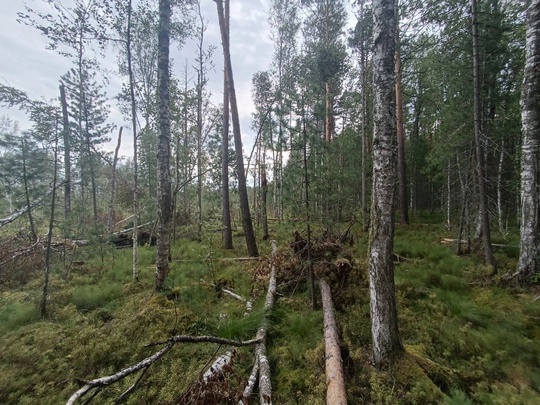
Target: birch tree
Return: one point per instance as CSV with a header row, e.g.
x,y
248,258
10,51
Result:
x,y
530,117
384,322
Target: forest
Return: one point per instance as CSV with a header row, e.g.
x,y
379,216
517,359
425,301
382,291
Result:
x,y
378,242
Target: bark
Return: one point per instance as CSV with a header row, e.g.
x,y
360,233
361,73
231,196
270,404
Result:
x,y
163,148
528,264
67,153
242,187
335,382
478,138
110,218
384,322
226,218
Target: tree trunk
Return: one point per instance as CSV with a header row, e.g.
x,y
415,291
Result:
x,y
45,290
335,382
200,84
264,197
163,148
500,208
135,267
402,169
26,190
530,116
384,323
110,218
226,218
363,75
242,187
308,214
329,116
67,154
480,163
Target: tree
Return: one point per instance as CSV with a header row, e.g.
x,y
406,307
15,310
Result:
x,y
204,57
88,110
384,322
263,99
402,171
479,142
361,40
242,187
67,152
226,205
285,24
528,264
163,148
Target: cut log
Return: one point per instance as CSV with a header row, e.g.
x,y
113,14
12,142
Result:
x,y
335,382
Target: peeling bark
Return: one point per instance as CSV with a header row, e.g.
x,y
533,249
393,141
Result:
x,y
384,322
530,115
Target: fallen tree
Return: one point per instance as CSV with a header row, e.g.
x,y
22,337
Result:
x,y
335,382
261,367
98,383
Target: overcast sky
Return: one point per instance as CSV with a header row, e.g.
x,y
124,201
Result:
x,y
27,65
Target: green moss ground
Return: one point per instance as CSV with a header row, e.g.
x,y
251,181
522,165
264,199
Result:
x,y
468,340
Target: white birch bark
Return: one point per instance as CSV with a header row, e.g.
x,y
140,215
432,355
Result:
x,y
384,326
530,116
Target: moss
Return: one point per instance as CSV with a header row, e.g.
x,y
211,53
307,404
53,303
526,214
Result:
x,y
405,382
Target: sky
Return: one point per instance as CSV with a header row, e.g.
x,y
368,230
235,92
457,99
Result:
x,y
27,65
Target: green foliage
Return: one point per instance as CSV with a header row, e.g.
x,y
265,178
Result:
x,y
14,315
466,343
237,327
456,397
90,297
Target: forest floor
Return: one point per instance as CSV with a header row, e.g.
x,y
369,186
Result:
x,y
468,340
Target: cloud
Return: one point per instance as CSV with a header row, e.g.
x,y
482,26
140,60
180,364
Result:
x,y
26,64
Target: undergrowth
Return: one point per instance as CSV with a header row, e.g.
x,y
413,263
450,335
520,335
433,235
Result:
x,y
468,340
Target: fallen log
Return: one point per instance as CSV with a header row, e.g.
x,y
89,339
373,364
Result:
x,y
448,241
20,212
222,259
98,383
262,366
335,382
